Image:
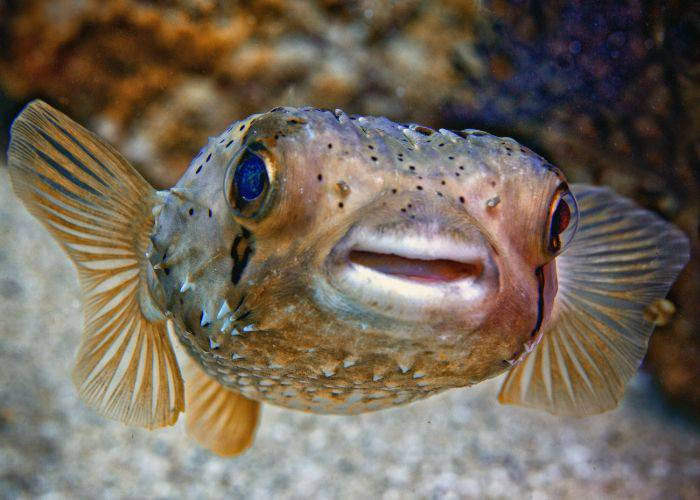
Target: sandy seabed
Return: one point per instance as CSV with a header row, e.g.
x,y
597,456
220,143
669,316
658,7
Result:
x,y
456,445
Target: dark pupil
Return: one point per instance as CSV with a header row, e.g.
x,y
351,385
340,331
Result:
x,y
250,177
561,219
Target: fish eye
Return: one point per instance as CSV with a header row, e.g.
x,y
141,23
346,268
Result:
x,y
563,221
247,183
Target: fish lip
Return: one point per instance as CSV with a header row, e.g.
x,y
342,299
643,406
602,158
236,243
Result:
x,y
404,297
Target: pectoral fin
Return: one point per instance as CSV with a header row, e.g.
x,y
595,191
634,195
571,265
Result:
x,y
623,258
221,420
99,209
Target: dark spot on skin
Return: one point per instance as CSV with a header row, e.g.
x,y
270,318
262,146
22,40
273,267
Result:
x,y
400,159
441,144
443,182
493,183
457,174
199,169
451,157
228,144
208,158
393,191
461,167
420,177
374,158
330,146
340,205
319,177
241,251
461,199
210,212
191,211
419,188
241,127
439,194
165,255
410,205
411,167
403,210
166,271
277,136
370,146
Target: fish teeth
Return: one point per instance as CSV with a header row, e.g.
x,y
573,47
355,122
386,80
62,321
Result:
x,y
349,361
225,309
213,344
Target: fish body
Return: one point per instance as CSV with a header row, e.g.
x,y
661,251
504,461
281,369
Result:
x,y
342,264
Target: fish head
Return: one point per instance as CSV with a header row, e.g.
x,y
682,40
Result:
x,y
372,237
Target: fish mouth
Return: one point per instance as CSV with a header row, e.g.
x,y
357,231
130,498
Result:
x,y
411,272
421,269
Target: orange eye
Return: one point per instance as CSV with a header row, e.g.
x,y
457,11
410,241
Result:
x,y
563,222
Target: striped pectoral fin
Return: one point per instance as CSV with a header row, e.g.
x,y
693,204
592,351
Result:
x,y
622,260
100,211
219,419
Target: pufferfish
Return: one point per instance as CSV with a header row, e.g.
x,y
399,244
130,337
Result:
x,y
341,264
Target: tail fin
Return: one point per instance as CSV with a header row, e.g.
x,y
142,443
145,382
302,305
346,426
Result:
x,y
622,260
100,211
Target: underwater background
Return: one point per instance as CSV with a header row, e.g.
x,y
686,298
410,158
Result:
x,y
607,91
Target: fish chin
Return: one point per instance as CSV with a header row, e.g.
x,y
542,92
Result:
x,y
415,273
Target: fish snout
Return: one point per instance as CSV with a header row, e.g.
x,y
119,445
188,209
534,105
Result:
x,y
422,270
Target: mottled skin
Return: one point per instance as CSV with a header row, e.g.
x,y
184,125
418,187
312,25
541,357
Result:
x,y
294,336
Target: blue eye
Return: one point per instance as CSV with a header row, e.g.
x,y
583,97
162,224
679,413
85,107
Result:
x,y
247,182
250,177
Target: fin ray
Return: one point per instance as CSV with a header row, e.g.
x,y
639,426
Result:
x,y
99,210
221,420
622,259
